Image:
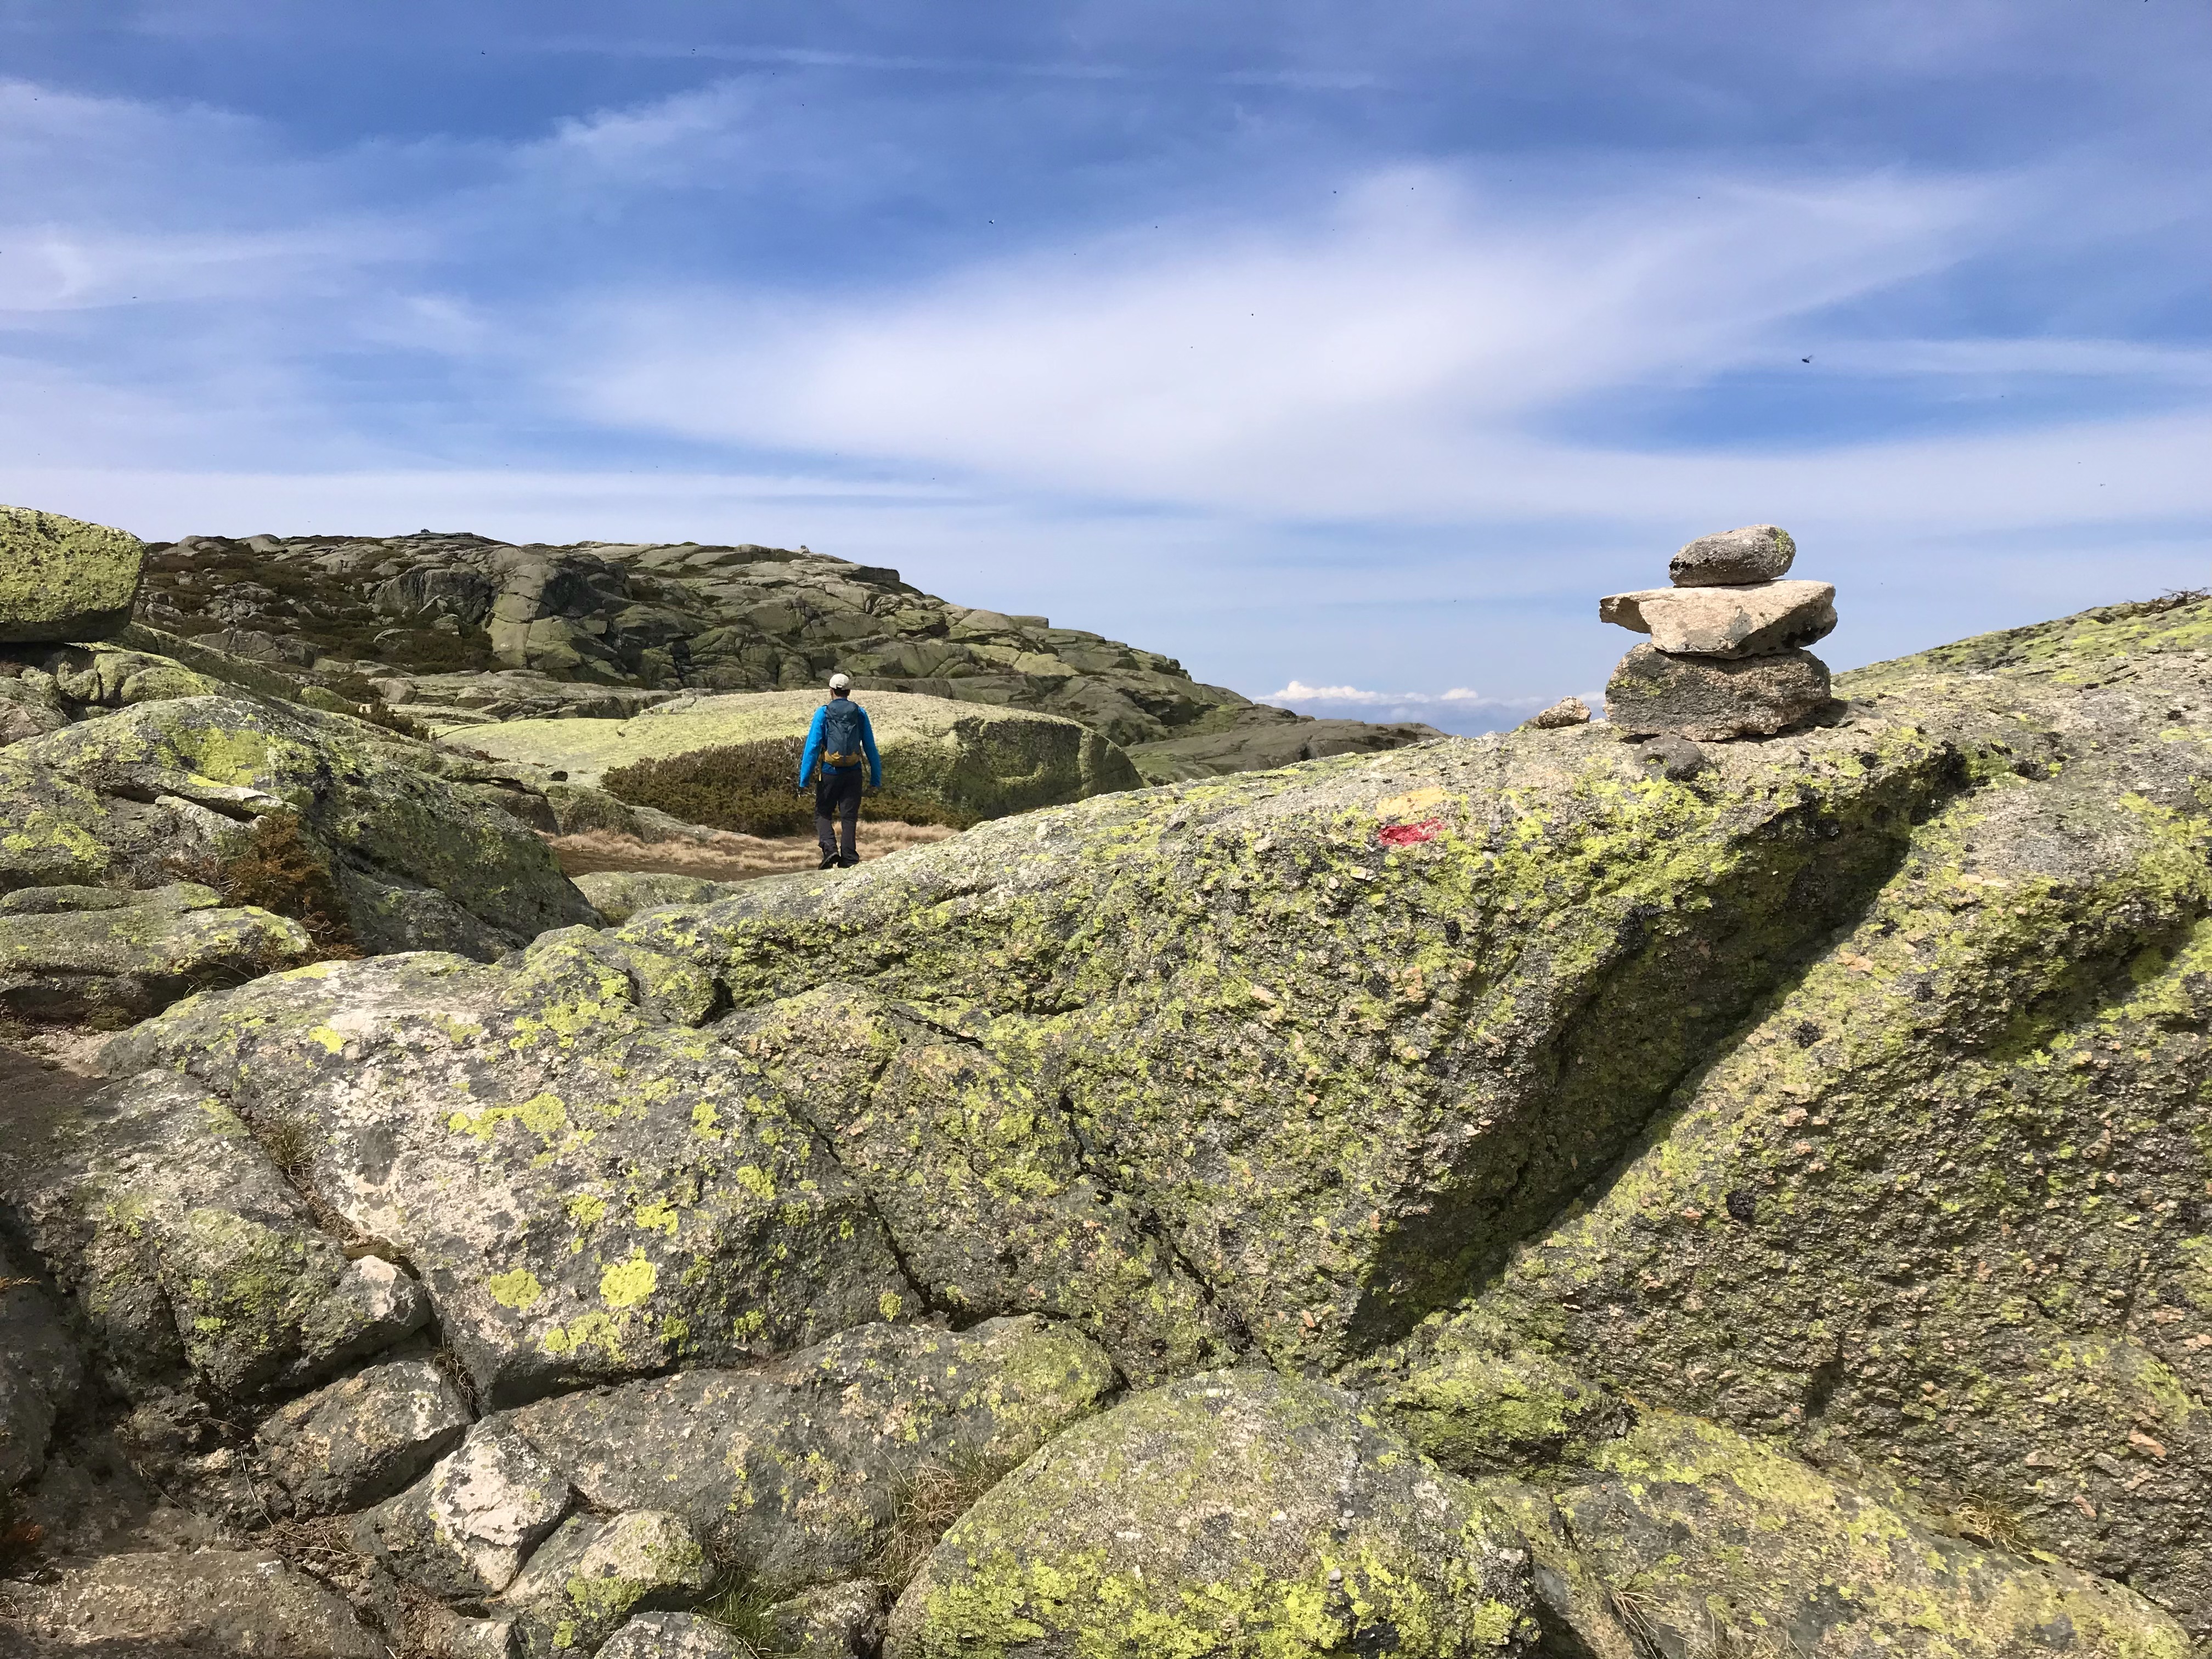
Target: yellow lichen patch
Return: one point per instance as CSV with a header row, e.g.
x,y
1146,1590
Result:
x,y
1414,804
586,1209
518,1289
593,1330
626,1284
756,1181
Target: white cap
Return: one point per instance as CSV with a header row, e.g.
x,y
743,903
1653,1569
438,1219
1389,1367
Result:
x,y
840,683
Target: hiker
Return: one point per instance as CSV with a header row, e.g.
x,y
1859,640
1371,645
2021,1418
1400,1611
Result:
x,y
840,738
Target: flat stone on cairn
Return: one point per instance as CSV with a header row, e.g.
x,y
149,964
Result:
x,y
1726,657
1726,622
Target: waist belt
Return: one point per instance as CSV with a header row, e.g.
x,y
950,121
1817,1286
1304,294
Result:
x,y
842,760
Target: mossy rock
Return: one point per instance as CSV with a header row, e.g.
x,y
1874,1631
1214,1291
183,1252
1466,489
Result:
x,y
188,1253
1941,1205
115,962
591,1188
1347,1030
594,1572
977,764
63,578
137,797
1030,1227
1235,1512
824,1465
1683,1538
618,895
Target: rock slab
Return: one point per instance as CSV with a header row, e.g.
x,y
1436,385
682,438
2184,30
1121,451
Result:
x,y
673,1636
1639,1559
360,1440
592,1574
214,1600
63,578
792,1473
189,1251
464,1529
111,956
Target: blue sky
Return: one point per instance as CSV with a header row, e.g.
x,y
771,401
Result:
x,y
1351,347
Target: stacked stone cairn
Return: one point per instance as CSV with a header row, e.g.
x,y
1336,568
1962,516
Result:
x,y
1727,657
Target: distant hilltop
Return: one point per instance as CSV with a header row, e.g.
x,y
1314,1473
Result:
x,y
481,629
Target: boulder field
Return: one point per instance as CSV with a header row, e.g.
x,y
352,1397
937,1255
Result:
x,y
1514,1196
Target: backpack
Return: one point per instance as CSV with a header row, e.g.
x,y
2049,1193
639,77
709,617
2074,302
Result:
x,y
841,734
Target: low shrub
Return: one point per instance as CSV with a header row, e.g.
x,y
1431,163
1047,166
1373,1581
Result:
x,y
751,787
279,869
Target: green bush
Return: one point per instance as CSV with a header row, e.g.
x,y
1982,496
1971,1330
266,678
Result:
x,y
751,787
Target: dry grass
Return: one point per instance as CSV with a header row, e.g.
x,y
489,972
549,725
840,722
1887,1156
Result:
x,y
929,1500
1982,1522
290,1143
726,855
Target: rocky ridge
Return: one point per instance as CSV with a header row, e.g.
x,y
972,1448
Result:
x,y
1504,1197
459,629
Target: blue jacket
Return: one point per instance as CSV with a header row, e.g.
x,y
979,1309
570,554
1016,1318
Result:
x,y
814,749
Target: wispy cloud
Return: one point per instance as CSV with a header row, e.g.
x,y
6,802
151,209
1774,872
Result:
x,y
1425,350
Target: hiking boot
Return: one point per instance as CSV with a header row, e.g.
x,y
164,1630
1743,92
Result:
x,y
848,860
828,861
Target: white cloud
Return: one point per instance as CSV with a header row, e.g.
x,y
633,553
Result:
x,y
1298,691
1422,353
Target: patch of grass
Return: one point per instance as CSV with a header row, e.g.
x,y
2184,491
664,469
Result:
x,y
1983,1522
741,1607
929,1500
290,1143
2173,599
750,787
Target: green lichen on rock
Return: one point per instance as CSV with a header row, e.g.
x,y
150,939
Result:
x,y
109,963
590,1188
803,1472
1940,1207
1486,1401
189,1255
1685,1537
1784,1186
2079,650
63,578
131,799
980,1173
592,1574
1235,1512
1343,1073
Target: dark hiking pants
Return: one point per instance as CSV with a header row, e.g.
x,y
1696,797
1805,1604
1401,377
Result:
x,y
837,805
